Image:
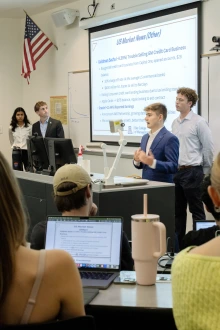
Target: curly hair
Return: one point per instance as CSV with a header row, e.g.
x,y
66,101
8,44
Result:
x,y
14,121
190,94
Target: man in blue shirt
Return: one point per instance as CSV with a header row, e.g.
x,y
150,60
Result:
x,y
195,159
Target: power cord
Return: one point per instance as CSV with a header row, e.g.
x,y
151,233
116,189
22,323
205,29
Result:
x,y
91,15
168,256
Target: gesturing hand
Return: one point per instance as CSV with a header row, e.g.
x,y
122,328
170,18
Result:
x,y
146,159
137,154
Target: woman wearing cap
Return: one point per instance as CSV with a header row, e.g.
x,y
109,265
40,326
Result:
x,y
35,286
195,276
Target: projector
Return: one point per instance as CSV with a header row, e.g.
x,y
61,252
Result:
x,y
116,125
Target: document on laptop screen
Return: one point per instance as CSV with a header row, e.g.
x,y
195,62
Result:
x,y
89,242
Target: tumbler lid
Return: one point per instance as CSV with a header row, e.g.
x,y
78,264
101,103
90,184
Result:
x,y
145,218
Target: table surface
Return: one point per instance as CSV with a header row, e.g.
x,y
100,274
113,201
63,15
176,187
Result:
x,y
130,295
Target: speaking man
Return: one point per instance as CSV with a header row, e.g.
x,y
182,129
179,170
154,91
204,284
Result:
x,y
159,150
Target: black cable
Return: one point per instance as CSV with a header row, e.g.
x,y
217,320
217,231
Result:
x,y
167,256
89,11
90,15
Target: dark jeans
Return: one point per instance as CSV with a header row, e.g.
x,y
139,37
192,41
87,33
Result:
x,y
19,158
187,191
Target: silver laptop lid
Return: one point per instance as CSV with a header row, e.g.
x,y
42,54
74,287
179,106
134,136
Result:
x,y
93,242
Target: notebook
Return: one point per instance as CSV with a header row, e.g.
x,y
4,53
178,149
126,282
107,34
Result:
x,y
201,224
93,242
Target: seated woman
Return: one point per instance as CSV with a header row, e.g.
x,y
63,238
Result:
x,y
195,276
35,286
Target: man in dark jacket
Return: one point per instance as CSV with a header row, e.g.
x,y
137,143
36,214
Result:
x,y
46,126
201,236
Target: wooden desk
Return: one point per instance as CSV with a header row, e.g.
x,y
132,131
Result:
x,y
133,305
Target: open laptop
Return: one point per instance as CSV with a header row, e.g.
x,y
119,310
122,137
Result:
x,y
201,224
93,242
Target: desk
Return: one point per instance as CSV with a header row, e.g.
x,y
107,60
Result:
x,y
133,305
126,201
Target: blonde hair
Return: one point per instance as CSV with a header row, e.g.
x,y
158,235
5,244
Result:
x,y
12,225
215,174
38,105
159,108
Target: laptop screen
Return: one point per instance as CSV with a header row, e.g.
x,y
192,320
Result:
x,y
93,242
202,224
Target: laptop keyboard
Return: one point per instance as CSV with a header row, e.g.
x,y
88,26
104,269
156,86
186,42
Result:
x,y
95,275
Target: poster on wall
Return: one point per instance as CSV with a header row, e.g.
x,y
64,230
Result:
x,y
58,108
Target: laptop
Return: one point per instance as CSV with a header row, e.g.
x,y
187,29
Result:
x,y
93,242
202,224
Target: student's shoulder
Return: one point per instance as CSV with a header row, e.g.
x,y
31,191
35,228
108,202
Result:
x,y
59,259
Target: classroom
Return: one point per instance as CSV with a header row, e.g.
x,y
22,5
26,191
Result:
x,y
63,71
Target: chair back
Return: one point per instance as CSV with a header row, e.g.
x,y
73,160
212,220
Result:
x,y
86,322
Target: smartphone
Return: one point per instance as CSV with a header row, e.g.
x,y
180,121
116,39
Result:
x,y
124,280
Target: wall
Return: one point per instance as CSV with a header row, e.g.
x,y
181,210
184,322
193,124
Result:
x,y
10,78
110,11
51,76
210,24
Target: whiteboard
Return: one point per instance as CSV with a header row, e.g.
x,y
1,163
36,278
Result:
x,y
210,102
79,108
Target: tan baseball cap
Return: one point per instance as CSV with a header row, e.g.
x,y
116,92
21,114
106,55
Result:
x,y
70,173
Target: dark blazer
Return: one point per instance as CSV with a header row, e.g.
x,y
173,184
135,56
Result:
x,y
54,129
165,148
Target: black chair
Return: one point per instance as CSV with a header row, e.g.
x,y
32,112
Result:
x,y
86,322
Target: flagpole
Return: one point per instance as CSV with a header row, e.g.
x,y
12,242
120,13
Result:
x,y
40,29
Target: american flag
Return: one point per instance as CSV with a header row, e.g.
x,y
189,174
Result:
x,y
36,44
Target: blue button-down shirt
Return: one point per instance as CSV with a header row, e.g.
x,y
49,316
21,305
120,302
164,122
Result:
x,y
196,143
43,127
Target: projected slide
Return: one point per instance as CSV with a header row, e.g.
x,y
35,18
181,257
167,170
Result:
x,y
138,64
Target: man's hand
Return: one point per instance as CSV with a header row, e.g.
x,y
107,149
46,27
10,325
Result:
x,y
146,159
137,154
93,210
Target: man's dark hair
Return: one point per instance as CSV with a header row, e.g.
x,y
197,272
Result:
x,y
206,198
70,202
